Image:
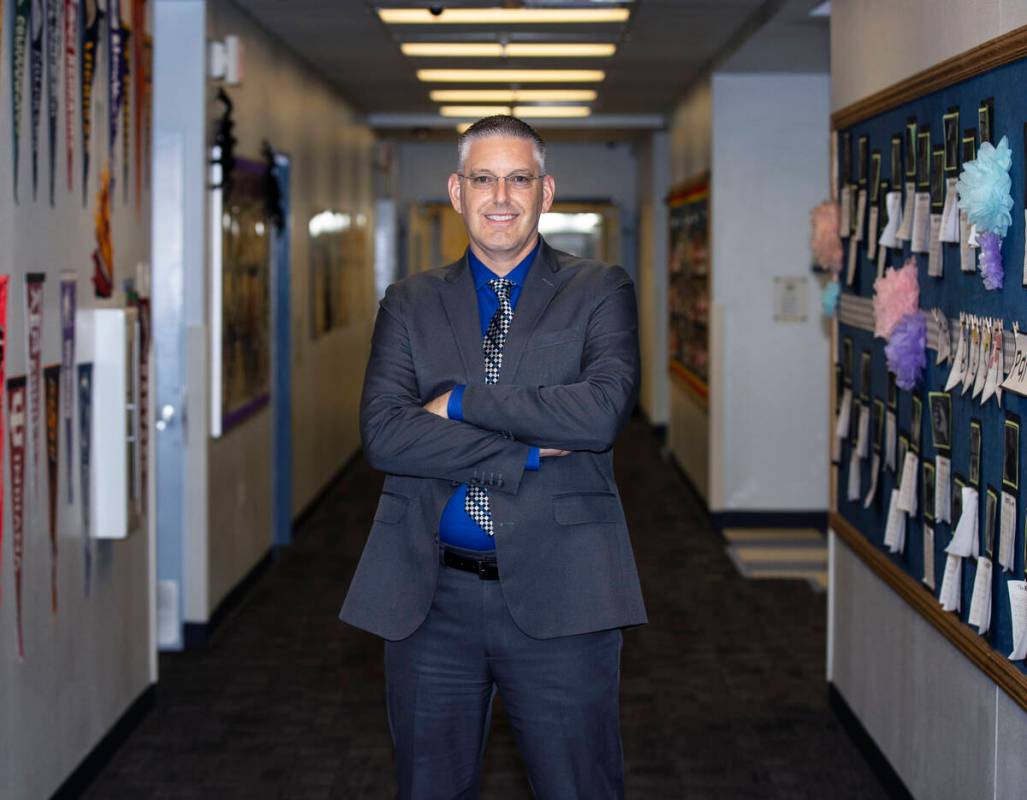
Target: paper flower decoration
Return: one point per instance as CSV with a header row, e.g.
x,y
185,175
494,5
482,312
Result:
x,y
991,260
829,299
824,242
984,186
906,350
896,294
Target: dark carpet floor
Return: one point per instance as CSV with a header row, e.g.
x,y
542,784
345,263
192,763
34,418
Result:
x,y
723,693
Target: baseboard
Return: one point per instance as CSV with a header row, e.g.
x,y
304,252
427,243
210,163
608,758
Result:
x,y
886,774
196,634
99,757
770,519
315,501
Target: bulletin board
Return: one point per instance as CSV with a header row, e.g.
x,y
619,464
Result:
x,y
984,87
688,284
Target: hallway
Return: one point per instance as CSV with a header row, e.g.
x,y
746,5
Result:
x,y
723,693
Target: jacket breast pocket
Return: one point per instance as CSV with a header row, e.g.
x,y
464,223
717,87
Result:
x,y
580,508
392,508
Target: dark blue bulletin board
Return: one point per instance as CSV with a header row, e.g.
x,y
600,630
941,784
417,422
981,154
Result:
x,y
953,293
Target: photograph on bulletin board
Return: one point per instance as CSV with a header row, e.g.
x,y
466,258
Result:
x,y
338,252
246,296
688,283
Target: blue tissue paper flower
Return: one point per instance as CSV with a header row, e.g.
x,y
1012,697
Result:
x,y
829,298
984,186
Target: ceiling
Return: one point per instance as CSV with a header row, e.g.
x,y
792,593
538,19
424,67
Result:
x,y
664,46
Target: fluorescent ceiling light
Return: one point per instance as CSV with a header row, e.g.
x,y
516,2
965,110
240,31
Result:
x,y
516,49
510,75
551,112
512,95
473,112
501,16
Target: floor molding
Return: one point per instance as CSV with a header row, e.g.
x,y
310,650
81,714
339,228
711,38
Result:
x,y
98,758
196,634
877,760
312,506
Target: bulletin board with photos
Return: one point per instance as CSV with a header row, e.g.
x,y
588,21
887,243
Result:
x,y
904,458
688,282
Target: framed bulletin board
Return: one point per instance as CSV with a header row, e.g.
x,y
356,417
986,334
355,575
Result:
x,y
688,284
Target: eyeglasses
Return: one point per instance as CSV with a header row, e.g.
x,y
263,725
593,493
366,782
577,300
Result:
x,y
486,182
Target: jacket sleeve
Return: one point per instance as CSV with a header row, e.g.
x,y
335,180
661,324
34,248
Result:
x,y
587,414
401,438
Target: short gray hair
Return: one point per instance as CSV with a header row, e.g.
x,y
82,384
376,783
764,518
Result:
x,y
501,125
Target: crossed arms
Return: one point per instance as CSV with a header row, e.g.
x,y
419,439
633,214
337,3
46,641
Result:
x,y
403,437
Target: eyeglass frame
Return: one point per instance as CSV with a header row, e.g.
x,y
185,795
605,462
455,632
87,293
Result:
x,y
495,179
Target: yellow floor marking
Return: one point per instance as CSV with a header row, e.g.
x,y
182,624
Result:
x,y
784,554
772,535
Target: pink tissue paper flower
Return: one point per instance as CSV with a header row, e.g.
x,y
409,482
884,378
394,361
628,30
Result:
x,y
896,293
824,242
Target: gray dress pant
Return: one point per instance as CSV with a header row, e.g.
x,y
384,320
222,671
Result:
x,y
561,696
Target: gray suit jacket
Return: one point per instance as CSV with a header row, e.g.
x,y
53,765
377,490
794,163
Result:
x,y
569,380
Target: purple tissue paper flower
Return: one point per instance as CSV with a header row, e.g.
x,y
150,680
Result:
x,y
991,259
906,350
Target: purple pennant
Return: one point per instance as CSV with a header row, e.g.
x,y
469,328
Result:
x,y
85,409
18,48
36,20
53,74
68,374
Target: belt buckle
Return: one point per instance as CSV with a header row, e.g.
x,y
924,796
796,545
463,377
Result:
x,y
482,569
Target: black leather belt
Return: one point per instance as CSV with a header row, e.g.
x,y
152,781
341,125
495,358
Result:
x,y
485,568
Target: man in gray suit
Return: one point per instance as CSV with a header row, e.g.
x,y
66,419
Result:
x,y
499,557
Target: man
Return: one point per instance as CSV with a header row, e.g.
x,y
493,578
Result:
x,y
499,557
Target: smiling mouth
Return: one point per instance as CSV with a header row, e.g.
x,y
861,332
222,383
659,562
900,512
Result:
x,y
500,217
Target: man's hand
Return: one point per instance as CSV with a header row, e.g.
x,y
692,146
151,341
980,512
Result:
x,y
439,405
550,452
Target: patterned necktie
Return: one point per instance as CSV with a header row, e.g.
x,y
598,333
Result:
x,y
477,502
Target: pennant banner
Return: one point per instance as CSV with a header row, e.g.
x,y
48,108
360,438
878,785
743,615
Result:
x,y
115,72
138,91
16,428
52,381
89,30
3,351
147,106
103,255
70,58
126,147
53,62
18,47
36,83
85,410
34,316
144,401
68,373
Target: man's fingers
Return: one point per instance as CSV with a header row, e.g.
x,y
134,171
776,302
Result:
x,y
549,452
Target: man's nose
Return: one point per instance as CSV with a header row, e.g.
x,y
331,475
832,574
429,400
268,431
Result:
x,y
500,190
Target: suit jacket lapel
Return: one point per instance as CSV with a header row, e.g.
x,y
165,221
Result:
x,y
540,287
460,301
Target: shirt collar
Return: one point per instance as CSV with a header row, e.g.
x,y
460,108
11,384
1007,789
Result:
x,y
482,274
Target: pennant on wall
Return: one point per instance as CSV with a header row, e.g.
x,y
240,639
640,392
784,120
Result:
x,y
144,400
126,148
85,410
52,381
36,19
147,106
115,72
18,46
16,427
68,373
34,317
103,255
89,30
3,350
138,90
53,61
70,57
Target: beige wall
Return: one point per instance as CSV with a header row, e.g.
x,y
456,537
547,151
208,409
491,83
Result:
x,y
284,102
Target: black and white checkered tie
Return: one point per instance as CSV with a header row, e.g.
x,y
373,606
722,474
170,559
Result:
x,y
477,502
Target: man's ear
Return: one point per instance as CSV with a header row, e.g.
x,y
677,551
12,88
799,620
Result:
x,y
548,192
454,193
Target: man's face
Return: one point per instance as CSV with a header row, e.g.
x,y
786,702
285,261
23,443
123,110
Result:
x,y
501,220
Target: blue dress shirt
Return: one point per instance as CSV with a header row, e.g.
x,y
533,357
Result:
x,y
456,527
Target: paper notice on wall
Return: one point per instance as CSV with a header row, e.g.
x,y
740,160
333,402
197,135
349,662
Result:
x,y
973,357
983,360
951,584
980,600
906,225
934,260
942,489
854,465
921,230
890,436
967,252
895,527
889,237
908,484
950,213
861,215
928,577
863,436
965,539
875,469
1018,613
941,322
850,271
841,428
882,260
959,361
845,221
1016,380
1007,532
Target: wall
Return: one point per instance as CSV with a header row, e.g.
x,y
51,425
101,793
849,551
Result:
x,y
584,171
770,167
283,101
85,664
688,431
889,664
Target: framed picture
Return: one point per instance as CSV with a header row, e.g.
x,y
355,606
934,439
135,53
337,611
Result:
x,y
911,143
863,151
974,460
938,179
957,498
875,176
864,375
985,118
1011,453
896,160
916,423
990,511
969,150
928,491
923,159
893,392
950,122
877,425
847,360
901,459
941,420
